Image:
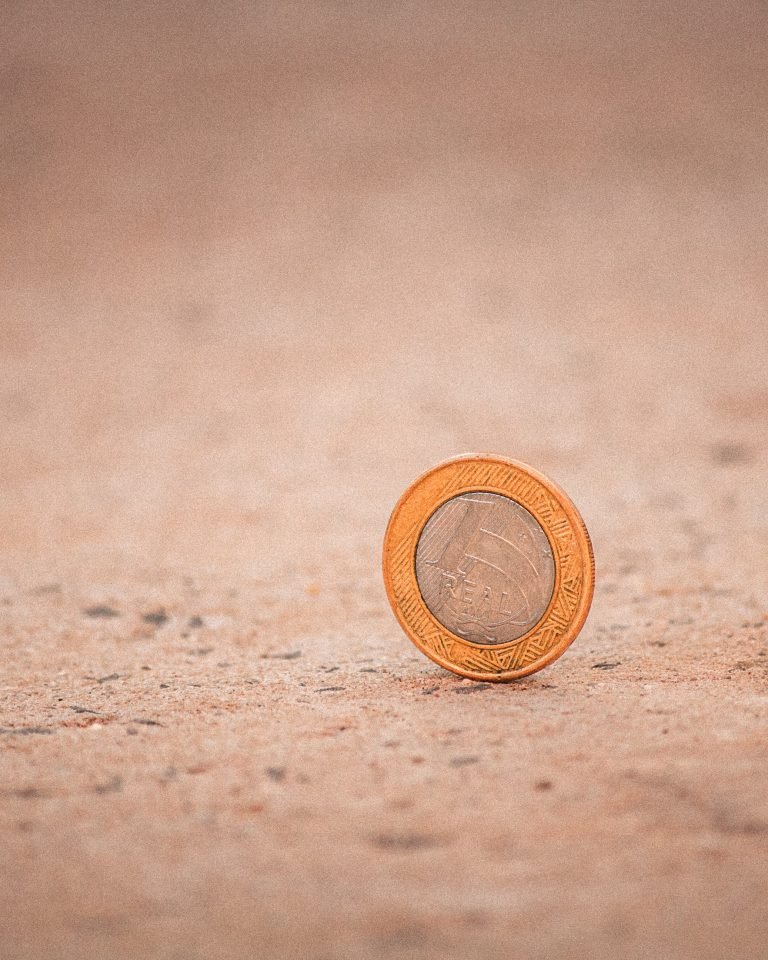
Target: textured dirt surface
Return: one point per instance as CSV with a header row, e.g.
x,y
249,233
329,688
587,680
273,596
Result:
x,y
261,266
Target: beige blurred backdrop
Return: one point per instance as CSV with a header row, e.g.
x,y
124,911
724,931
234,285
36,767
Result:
x,y
262,264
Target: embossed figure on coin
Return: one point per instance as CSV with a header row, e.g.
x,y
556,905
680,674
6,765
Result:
x,y
484,567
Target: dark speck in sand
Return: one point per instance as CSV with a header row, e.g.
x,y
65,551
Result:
x,y
101,611
156,617
25,731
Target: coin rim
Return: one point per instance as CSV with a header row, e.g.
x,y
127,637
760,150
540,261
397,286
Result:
x,y
412,594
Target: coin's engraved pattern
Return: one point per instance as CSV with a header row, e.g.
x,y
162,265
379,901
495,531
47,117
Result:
x,y
570,544
485,567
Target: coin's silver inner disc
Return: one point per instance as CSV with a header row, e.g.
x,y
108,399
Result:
x,y
485,568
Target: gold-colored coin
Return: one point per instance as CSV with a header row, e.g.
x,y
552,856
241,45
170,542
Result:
x,y
488,567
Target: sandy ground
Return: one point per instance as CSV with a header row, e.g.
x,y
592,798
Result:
x,y
261,266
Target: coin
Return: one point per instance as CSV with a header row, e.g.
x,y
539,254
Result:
x,y
488,567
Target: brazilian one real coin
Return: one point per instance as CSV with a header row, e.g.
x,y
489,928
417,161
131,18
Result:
x,y
488,567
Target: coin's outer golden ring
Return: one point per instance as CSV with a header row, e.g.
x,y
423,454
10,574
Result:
x,y
571,548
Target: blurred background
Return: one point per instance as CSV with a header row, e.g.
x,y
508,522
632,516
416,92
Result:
x,y
262,263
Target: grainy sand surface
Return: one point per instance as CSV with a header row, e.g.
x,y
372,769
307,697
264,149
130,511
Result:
x,y
262,264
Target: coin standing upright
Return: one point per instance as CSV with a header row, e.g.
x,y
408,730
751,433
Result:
x,y
488,567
